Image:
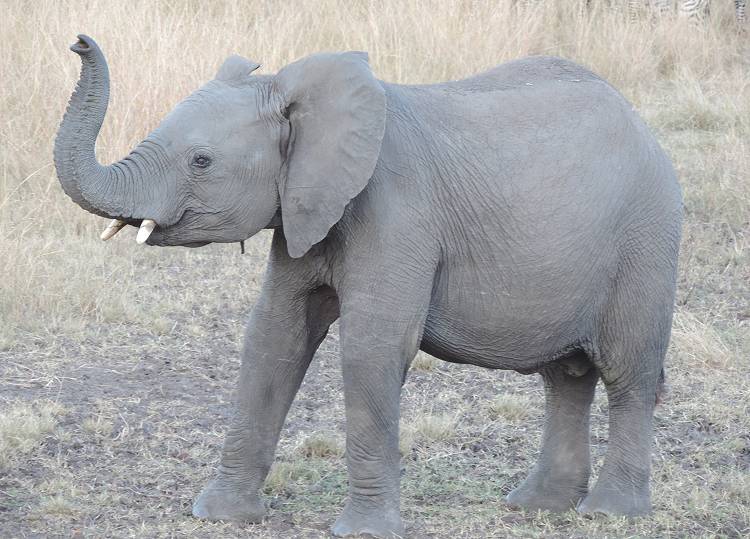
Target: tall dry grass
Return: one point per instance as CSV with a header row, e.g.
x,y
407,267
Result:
x,y
690,84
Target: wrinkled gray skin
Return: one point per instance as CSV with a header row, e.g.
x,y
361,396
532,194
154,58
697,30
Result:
x,y
521,219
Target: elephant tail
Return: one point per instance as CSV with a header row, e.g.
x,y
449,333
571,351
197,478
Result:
x,y
661,388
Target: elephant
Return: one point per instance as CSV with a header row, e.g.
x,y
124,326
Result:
x,y
524,218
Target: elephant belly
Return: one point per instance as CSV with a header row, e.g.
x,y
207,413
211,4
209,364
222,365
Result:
x,y
518,329
464,340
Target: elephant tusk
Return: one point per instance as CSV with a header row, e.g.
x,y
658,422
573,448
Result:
x,y
113,228
147,227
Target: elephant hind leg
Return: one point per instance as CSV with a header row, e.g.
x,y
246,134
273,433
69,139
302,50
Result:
x,y
559,480
623,484
633,343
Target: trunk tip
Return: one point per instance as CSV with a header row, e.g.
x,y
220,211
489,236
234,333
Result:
x,y
84,44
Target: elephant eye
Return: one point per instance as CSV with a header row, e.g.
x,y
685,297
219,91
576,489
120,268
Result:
x,y
201,161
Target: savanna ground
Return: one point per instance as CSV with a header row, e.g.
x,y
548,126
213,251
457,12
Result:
x,y
118,362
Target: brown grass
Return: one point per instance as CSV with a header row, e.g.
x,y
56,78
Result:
x,y
322,446
510,407
140,345
23,427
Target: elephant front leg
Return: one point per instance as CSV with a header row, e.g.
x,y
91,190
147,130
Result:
x,y
281,338
561,475
375,354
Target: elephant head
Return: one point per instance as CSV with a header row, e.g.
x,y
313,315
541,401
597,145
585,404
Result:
x,y
234,154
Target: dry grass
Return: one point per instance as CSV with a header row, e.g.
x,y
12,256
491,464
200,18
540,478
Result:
x,y
425,363
510,407
283,474
22,428
322,446
97,426
140,344
436,428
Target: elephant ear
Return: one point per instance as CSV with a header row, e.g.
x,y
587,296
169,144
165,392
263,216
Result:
x,y
236,68
336,112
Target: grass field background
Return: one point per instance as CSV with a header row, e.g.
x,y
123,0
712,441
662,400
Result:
x,y
118,361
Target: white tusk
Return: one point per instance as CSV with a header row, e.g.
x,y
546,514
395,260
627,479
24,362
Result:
x,y
147,227
113,228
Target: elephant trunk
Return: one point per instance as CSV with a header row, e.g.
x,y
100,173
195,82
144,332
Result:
x,y
118,191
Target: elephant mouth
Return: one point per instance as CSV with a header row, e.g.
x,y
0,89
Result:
x,y
151,233
163,238
168,236
148,232
179,232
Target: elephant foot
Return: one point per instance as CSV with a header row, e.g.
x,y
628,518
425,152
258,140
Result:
x,y
383,525
219,502
548,494
616,501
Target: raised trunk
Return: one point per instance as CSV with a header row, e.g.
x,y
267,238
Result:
x,y
115,191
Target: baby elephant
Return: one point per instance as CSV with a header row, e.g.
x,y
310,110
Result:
x,y
524,218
